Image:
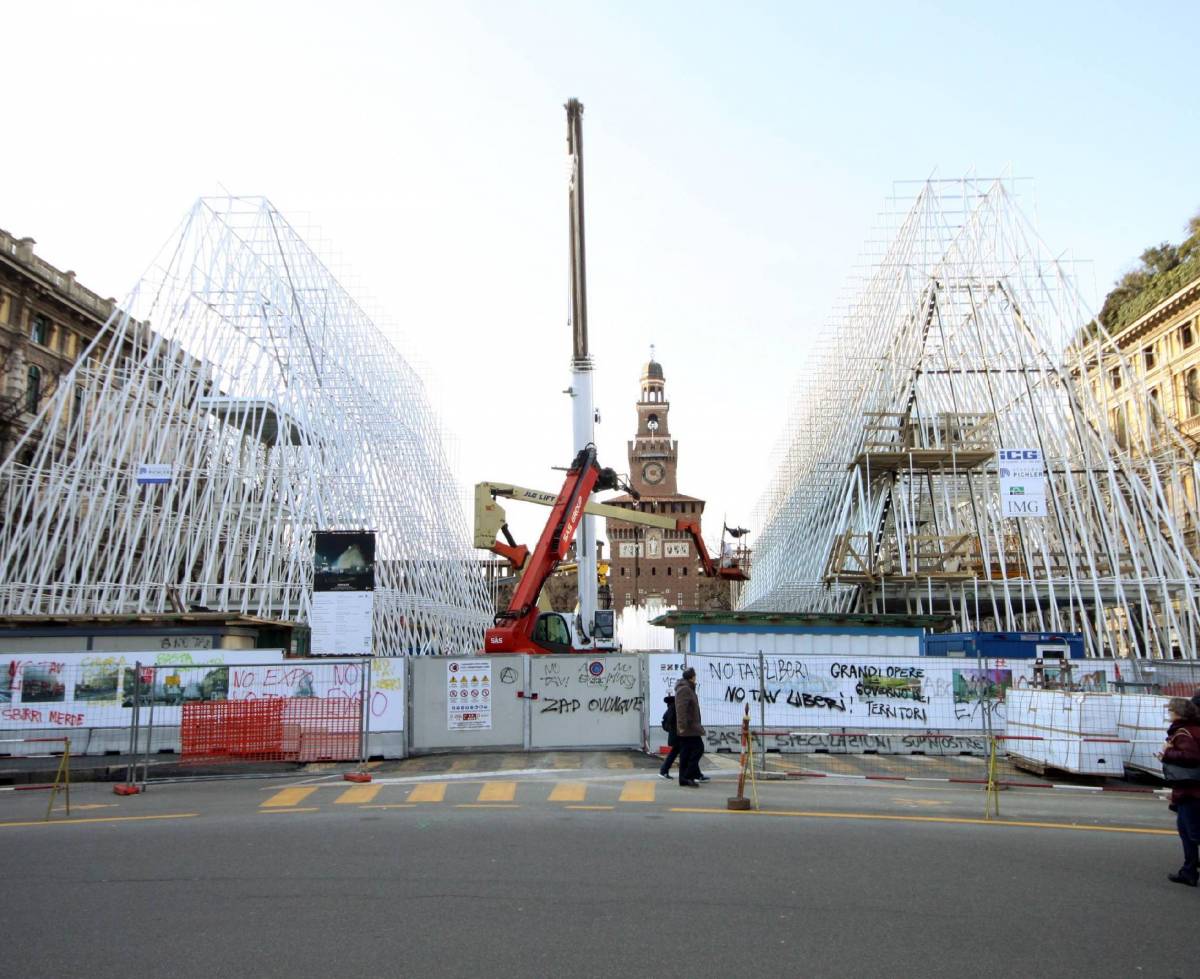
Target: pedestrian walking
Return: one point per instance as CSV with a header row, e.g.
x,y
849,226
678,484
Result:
x,y
668,723
689,729
1183,750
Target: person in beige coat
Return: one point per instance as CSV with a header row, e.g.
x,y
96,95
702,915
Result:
x,y
689,729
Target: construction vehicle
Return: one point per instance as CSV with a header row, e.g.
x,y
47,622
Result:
x,y
524,627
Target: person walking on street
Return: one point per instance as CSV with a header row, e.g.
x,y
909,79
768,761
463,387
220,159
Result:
x,y
1183,749
668,723
689,729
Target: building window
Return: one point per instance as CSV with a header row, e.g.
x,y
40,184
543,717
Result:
x,y
1192,392
1114,377
683,571
39,330
77,408
33,388
668,572
622,572
653,572
1148,358
1156,413
1186,335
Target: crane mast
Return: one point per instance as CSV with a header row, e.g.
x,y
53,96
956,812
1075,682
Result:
x,y
583,412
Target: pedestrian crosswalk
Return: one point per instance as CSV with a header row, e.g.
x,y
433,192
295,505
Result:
x,y
495,792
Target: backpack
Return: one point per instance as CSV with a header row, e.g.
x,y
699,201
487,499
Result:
x,y
668,718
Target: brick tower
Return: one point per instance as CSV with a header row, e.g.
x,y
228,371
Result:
x,y
647,562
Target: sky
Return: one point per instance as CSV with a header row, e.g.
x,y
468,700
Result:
x,y
735,158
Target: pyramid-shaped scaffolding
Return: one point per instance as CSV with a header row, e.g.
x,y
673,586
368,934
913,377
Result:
x,y
961,340
278,408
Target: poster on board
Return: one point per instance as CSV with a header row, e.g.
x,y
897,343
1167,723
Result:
x,y
469,695
343,601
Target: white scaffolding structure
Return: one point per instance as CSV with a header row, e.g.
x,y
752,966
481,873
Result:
x,y
959,341
241,363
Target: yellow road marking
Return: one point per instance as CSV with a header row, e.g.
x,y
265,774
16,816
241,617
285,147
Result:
x,y
562,759
569,792
963,820
102,819
390,805
358,794
428,792
497,792
637,792
618,761
487,805
463,765
290,797
277,812
606,808
514,761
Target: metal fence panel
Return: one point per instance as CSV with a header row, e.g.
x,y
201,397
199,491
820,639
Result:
x,y
586,701
431,727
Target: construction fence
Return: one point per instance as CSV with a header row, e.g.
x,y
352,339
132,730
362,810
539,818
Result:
x,y
1019,722
1098,723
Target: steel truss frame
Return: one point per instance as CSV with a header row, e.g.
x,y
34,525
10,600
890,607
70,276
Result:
x,y
240,361
961,338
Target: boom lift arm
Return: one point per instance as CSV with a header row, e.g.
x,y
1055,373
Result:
x,y
490,521
514,628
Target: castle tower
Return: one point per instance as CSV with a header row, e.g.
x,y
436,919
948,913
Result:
x,y
646,562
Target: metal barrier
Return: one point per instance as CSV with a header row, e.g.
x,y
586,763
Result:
x,y
297,711
821,714
62,778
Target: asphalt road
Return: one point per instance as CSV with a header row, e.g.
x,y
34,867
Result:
x,y
503,876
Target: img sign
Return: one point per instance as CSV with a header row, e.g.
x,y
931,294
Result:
x,y
1022,483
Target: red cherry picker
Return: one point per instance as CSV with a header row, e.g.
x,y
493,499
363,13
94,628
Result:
x,y
523,627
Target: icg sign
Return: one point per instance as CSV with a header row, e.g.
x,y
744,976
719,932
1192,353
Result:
x,y
1022,483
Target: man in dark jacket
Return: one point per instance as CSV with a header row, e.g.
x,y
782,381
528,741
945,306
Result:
x,y
689,729
1183,748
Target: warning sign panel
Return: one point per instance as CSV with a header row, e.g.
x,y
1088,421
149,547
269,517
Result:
x,y
469,695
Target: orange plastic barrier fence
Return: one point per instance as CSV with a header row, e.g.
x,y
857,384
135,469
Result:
x,y
275,729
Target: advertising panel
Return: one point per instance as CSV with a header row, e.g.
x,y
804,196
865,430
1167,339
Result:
x,y
343,601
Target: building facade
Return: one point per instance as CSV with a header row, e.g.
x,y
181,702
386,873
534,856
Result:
x,y
47,320
1147,381
649,565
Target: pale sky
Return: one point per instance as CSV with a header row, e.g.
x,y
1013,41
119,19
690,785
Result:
x,y
736,155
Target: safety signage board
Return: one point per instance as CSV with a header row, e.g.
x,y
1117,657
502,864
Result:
x,y
1022,483
469,695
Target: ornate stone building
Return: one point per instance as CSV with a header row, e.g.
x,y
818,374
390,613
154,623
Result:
x,y
47,320
1161,350
648,563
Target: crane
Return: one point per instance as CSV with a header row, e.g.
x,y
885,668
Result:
x,y
523,627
